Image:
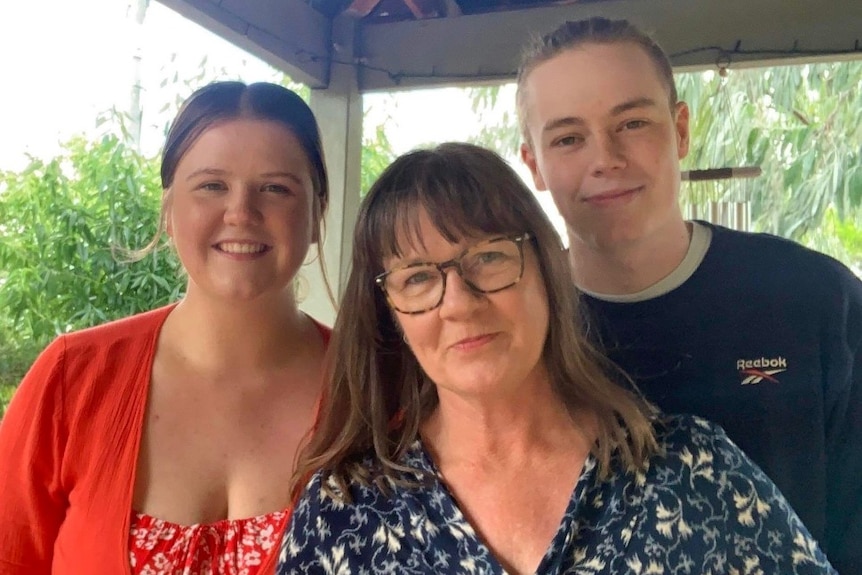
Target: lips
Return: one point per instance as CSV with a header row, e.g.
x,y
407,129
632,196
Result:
x,y
612,196
241,248
473,342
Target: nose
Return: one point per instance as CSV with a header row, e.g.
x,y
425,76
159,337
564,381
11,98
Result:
x,y
609,154
459,299
242,207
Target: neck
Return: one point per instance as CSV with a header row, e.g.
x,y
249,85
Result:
x,y
502,430
631,267
240,336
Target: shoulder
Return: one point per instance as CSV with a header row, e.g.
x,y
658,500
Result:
x,y
325,526
128,330
83,365
324,497
676,432
324,520
696,449
770,250
71,353
704,488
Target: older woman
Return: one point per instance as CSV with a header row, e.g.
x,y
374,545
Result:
x,y
469,427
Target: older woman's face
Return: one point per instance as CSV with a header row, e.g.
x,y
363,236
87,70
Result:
x,y
475,344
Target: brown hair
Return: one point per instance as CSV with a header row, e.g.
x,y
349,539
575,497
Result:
x,y
376,393
574,34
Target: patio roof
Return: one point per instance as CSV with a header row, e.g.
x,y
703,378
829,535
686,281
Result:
x,y
410,43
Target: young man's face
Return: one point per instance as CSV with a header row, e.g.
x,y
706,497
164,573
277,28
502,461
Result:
x,y
606,143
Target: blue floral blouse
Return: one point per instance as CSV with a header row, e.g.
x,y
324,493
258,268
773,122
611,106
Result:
x,y
703,507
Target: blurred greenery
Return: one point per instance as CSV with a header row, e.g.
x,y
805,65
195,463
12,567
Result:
x,y
800,125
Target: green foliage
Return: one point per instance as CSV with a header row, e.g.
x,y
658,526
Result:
x,y
498,119
63,221
799,123
842,239
15,360
6,392
64,224
376,155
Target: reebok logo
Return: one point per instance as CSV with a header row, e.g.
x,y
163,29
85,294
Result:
x,y
753,371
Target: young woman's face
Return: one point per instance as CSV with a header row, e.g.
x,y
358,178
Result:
x,y
241,210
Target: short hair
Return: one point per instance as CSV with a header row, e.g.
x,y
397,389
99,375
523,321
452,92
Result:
x,y
576,33
376,393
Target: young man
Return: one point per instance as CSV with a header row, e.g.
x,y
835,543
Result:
x,y
751,331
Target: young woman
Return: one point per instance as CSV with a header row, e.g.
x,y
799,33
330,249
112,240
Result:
x,y
162,443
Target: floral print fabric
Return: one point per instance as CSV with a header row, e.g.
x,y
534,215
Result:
x,y
229,547
702,507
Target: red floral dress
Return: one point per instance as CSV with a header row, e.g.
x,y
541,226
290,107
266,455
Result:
x,y
227,547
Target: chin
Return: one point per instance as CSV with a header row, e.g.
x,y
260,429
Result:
x,y
619,235
240,294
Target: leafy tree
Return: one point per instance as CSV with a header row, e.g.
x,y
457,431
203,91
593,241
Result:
x,y
376,155
799,124
63,222
498,119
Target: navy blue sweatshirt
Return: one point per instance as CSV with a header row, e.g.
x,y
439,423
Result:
x,y
763,339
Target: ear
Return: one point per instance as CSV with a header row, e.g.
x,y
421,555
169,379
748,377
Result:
x,y
529,158
682,130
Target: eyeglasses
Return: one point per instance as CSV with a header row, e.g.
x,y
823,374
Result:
x,y
487,267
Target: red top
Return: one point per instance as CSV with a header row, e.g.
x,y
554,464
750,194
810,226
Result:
x,y
228,547
68,449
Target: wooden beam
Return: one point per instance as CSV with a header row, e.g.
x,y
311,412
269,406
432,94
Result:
x,y
361,8
422,9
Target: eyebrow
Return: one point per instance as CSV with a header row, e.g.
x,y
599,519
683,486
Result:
x,y
615,111
217,172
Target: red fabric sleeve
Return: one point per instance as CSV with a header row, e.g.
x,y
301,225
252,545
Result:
x,y
32,440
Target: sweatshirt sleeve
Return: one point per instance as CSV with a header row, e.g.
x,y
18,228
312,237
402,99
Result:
x,y
32,440
843,393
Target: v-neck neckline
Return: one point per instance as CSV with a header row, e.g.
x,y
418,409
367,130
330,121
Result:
x,y
553,556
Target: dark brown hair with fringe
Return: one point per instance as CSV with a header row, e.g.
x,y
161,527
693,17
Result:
x,y
376,394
